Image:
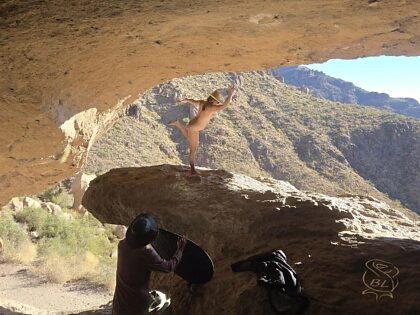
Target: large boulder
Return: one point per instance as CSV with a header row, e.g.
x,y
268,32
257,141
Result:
x,y
119,231
52,208
328,240
29,202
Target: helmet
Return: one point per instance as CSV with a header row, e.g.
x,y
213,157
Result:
x,y
142,231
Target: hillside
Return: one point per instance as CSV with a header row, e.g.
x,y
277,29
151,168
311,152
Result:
x,y
321,85
272,129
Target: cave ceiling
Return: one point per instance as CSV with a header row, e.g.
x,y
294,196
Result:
x,y
61,58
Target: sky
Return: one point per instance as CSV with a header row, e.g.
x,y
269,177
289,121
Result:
x,y
396,76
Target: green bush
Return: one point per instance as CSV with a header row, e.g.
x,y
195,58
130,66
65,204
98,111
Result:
x,y
73,237
17,246
63,199
67,247
53,226
34,218
49,193
75,249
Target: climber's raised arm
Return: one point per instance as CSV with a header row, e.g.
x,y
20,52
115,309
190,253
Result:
x,y
231,91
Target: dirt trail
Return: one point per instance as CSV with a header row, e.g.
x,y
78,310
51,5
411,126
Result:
x,y
23,293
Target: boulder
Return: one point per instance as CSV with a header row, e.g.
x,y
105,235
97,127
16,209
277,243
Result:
x,y
233,216
16,204
52,208
119,231
29,202
34,234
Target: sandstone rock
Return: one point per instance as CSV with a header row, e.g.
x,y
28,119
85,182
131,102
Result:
x,y
107,74
31,203
34,234
16,204
119,231
233,216
52,208
78,188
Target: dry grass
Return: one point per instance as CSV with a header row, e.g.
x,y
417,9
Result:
x,y
58,248
16,244
62,269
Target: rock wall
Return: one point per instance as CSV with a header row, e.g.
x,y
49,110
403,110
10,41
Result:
x,y
59,58
327,240
386,156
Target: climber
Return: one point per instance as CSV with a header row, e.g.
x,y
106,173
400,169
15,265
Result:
x,y
136,260
206,110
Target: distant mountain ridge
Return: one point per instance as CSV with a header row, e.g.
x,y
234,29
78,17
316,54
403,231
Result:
x,y
321,85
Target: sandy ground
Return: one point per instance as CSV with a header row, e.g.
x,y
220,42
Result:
x,y
23,293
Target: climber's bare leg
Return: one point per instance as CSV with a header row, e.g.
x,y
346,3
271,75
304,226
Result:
x,y
180,126
193,138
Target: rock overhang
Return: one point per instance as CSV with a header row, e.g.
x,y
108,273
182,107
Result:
x,y
65,58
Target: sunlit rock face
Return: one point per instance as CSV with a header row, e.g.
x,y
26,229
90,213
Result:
x,y
59,59
328,240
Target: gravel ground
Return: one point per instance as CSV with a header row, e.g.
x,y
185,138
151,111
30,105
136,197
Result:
x,y
23,293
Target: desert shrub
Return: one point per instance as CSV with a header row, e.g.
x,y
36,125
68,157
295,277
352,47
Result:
x,y
17,246
63,199
53,226
76,249
34,217
49,193
61,265
62,269
70,246
72,237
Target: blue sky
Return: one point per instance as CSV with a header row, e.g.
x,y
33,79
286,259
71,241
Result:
x,y
396,76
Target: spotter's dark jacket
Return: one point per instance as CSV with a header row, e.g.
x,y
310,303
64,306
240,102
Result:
x,y
134,266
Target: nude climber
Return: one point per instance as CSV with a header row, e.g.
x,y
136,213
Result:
x,y
206,110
